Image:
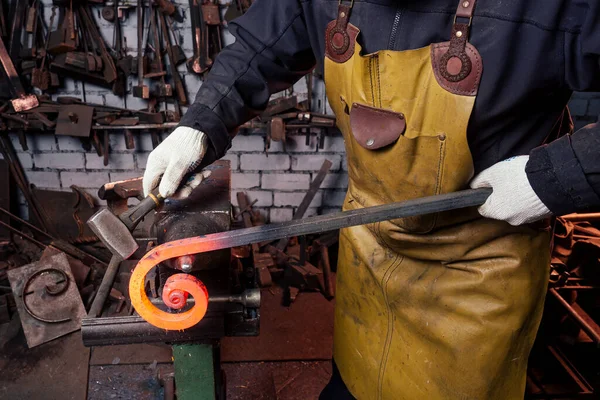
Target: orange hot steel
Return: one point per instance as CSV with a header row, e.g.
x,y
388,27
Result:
x,y
176,289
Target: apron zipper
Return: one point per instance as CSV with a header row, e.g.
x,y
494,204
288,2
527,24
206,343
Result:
x,y
395,28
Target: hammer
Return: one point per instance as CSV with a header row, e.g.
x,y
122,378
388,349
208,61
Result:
x,y
115,233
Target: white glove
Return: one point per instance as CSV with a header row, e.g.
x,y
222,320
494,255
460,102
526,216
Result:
x,y
181,152
513,199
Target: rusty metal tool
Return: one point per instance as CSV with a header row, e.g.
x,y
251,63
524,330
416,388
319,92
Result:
x,y
180,284
163,89
141,91
198,63
179,88
22,101
262,261
115,232
308,198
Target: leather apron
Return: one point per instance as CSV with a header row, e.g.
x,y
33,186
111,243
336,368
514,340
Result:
x,y
443,306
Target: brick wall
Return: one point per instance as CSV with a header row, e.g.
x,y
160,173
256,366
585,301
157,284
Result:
x,y
277,179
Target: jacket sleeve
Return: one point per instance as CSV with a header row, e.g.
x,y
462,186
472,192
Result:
x,y
565,174
271,52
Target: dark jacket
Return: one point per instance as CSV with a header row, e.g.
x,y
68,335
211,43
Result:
x,y
535,54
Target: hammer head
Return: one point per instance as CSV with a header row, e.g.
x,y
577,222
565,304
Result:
x,y
113,233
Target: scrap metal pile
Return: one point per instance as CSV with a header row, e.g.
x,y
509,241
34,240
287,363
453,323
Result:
x,y
297,263
564,363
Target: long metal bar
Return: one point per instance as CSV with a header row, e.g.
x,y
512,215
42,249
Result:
x,y
27,224
18,232
308,198
105,286
323,223
594,334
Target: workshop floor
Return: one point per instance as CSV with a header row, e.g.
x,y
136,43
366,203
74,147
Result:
x,y
289,360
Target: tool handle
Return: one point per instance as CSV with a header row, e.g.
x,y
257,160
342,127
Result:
x,y
132,217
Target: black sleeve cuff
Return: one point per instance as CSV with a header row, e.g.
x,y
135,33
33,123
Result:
x,y
202,118
558,179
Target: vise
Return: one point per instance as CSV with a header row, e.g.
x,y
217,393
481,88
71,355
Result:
x,y
233,294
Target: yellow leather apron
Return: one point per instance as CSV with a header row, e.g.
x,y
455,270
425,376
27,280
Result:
x,y
443,306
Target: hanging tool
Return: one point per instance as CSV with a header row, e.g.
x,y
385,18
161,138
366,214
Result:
x,y
40,77
177,82
163,89
141,91
180,283
198,63
22,101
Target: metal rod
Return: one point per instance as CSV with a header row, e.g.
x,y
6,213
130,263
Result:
x,y
592,333
105,286
308,198
18,232
581,217
27,224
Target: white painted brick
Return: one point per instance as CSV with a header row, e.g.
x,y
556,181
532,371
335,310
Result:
x,y
143,141
115,161
311,212
113,100
234,160
69,143
285,181
333,144
280,214
192,85
91,180
333,198
43,179
59,160
135,103
265,198
311,162
245,181
260,162
334,181
25,159
122,176
39,142
140,160
283,199
117,141
296,144
345,164
247,143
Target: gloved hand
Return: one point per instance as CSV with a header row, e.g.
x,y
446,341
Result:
x,y
513,199
181,152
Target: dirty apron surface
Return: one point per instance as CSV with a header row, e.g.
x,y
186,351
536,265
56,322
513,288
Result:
x,y
443,306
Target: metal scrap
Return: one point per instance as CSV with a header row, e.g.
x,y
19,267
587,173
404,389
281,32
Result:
x,y
47,299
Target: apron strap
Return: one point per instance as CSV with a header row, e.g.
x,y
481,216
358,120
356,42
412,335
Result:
x,y
456,65
340,35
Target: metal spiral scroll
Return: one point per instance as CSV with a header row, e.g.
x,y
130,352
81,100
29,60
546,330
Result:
x,y
175,292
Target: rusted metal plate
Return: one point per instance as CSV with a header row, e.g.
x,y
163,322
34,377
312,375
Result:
x,y
46,296
67,221
303,331
75,120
